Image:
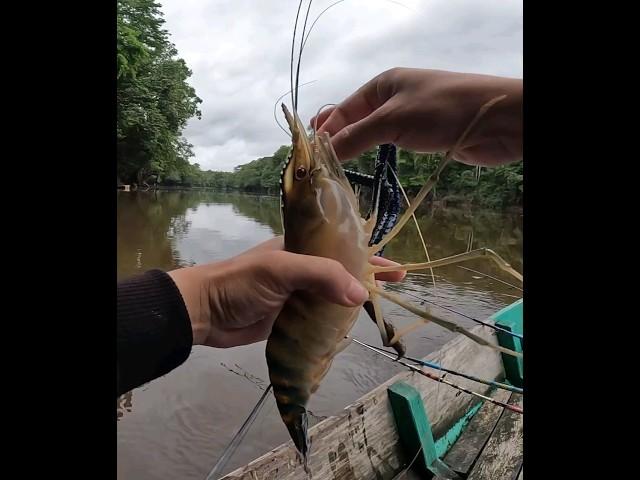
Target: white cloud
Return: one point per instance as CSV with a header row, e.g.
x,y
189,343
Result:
x,y
239,52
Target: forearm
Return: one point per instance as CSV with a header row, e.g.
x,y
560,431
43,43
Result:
x,y
154,331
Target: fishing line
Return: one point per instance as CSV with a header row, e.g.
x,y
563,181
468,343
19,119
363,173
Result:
x,y
491,277
513,408
235,442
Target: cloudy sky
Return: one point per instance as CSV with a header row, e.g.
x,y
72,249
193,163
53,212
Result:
x,y
239,52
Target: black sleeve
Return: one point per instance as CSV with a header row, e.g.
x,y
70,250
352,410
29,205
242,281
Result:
x,y
154,331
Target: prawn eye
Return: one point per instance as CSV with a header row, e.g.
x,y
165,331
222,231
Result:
x,y
301,172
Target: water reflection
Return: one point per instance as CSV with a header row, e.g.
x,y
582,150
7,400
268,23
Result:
x,y
177,426
172,229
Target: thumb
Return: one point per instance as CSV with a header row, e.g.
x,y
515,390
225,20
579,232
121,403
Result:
x,y
322,276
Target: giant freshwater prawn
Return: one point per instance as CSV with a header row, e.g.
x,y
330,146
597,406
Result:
x,y
321,217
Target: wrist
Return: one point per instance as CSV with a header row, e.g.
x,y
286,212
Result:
x,y
193,284
497,138
509,119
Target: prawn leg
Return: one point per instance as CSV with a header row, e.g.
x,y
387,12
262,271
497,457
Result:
x,y
387,331
483,253
429,317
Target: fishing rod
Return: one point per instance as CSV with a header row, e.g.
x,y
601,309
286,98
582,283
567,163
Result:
x,y
235,442
513,408
435,366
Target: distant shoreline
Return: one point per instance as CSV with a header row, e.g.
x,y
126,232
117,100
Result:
x,y
453,201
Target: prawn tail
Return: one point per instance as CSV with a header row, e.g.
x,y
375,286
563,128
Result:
x,y
296,419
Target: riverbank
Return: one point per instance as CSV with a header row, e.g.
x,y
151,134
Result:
x,y
448,201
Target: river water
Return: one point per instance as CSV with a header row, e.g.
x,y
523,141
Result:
x,y
177,426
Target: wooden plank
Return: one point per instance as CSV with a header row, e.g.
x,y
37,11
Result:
x,y
415,432
413,425
466,450
362,441
501,458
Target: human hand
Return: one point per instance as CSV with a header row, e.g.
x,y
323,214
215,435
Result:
x,y
427,111
235,301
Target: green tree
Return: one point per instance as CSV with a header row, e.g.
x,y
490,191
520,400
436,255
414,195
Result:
x,y
154,99
498,187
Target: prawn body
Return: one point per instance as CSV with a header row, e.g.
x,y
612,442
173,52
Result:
x,y
320,218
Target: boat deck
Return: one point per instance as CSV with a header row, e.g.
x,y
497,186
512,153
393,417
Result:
x,y
490,448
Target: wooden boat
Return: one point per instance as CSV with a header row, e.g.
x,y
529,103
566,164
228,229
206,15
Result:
x,y
380,434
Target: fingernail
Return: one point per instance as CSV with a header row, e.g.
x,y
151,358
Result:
x,y
356,293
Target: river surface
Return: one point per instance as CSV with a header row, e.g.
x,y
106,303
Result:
x,y
177,426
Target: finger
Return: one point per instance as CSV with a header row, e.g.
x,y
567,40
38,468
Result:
x,y
387,276
363,135
356,107
322,276
316,122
